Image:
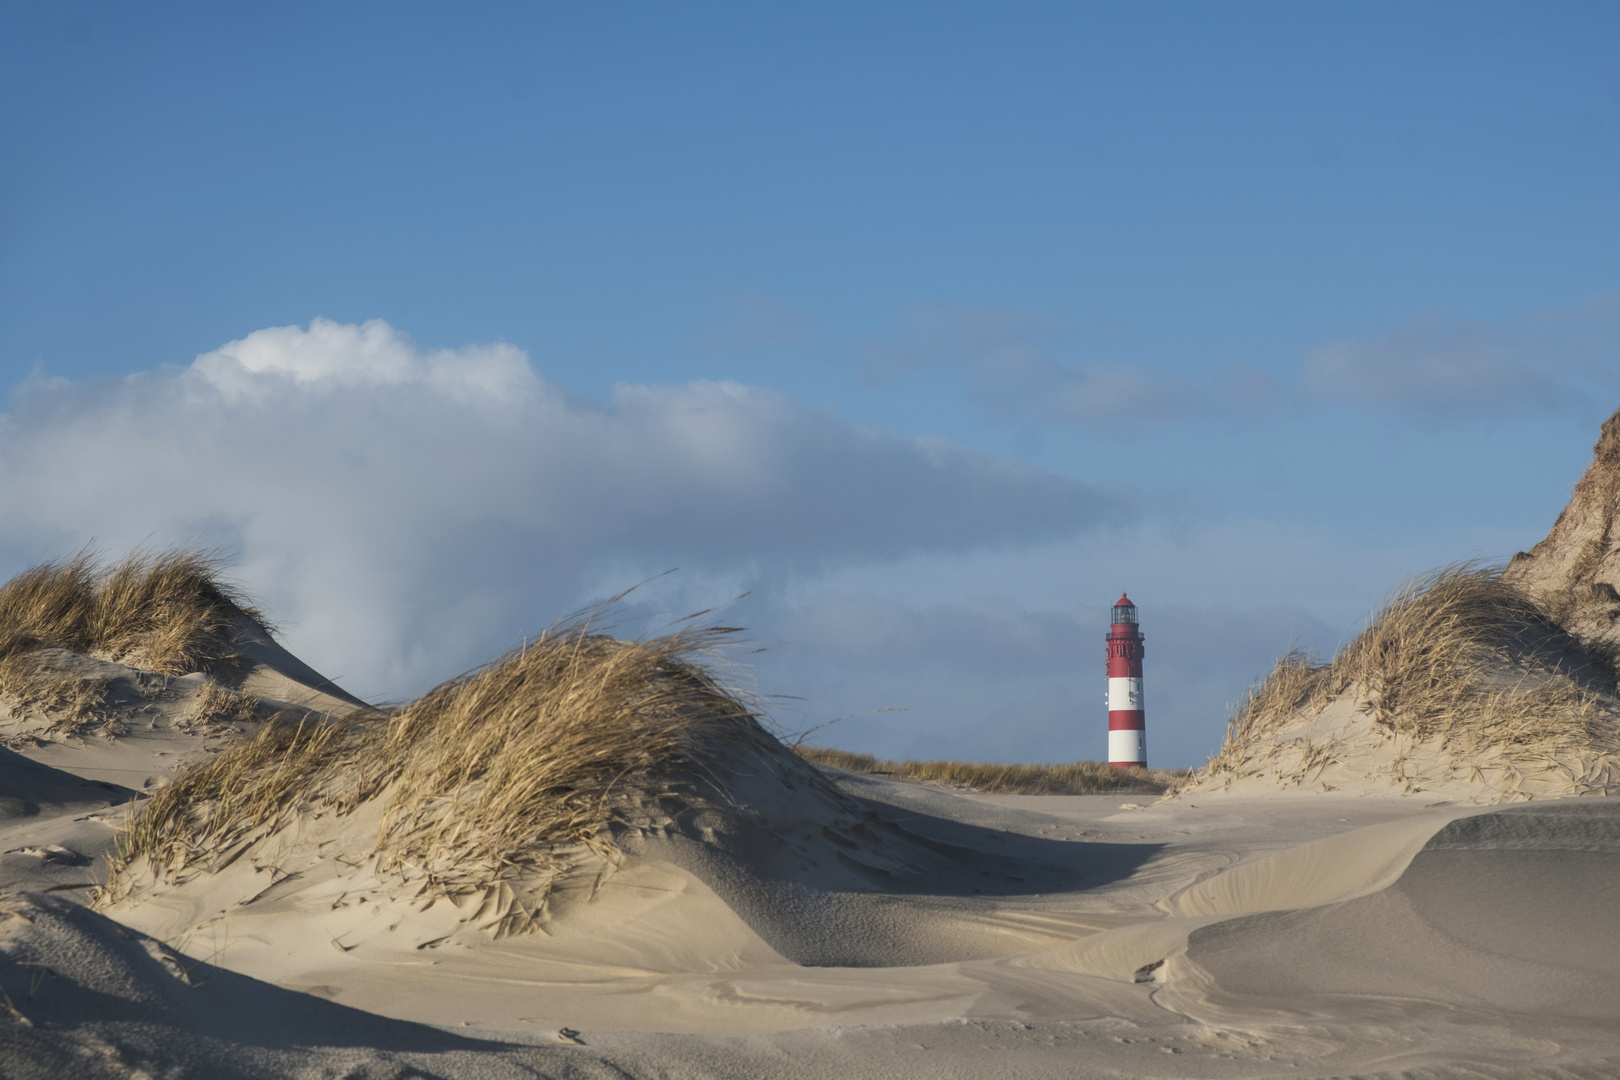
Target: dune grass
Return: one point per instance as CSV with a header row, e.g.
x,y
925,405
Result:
x,y
69,699
216,704
207,811
168,612
1460,656
482,780
1074,778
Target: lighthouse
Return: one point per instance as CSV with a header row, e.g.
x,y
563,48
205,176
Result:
x,y
1127,727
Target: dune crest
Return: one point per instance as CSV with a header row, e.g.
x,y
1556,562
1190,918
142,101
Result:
x,y
1574,573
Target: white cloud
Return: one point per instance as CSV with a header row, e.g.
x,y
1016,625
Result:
x,y
407,512
330,355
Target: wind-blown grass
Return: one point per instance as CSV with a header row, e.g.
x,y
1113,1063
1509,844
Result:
x,y
482,780
1075,778
1458,656
170,613
217,705
69,699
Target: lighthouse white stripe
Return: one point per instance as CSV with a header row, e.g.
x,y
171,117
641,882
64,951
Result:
x,y
1127,746
1124,695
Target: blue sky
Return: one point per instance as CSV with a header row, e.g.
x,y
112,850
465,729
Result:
x,y
941,324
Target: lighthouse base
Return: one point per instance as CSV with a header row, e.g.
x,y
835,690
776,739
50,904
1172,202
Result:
x,y
1127,748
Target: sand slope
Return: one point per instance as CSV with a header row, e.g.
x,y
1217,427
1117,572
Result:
x,y
1294,934
1502,915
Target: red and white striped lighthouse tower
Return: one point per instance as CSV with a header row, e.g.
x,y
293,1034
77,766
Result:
x,y
1127,725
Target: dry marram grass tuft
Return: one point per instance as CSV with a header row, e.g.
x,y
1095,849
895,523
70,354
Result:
x,y
31,681
208,813
483,780
218,704
169,613
1460,657
1075,778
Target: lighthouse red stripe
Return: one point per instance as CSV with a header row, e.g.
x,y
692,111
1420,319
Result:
x,y
1127,728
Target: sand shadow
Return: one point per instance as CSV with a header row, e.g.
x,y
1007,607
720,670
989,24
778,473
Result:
x,y
73,963
889,886
27,785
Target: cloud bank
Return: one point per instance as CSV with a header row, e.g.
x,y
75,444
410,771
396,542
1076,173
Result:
x,y
409,511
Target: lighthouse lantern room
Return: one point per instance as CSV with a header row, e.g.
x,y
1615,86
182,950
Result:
x,y
1127,726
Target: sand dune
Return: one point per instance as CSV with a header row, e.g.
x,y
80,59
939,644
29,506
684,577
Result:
x,y
1480,683
1489,953
1461,686
1380,874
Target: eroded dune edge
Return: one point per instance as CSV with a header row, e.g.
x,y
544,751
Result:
x,y
591,858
